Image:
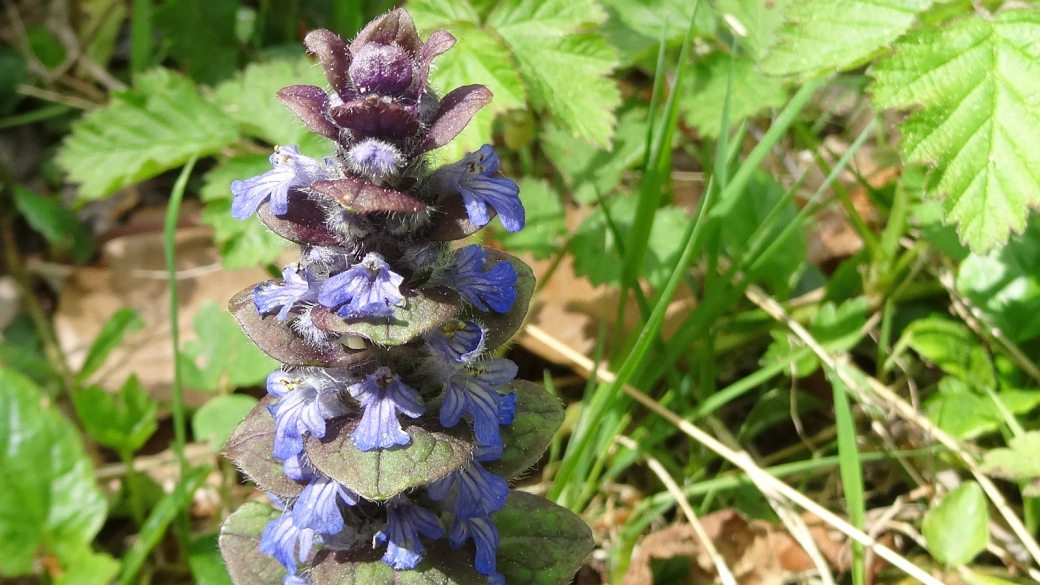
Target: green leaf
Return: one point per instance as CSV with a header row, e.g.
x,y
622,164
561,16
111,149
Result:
x,y
957,530
86,567
56,223
839,328
421,312
545,221
595,251
784,348
541,543
49,497
1018,462
222,356
976,86
478,57
959,409
821,35
752,93
538,416
156,127
758,22
123,421
433,14
125,320
250,100
951,346
635,28
1005,285
588,170
206,565
22,351
214,421
384,473
243,243
200,34
239,545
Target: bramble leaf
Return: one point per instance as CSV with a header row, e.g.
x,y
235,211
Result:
x,y
819,35
757,21
157,126
976,84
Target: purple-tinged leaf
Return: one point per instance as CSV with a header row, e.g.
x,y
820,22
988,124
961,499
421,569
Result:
x,y
335,58
450,221
361,565
538,415
372,116
384,473
250,447
276,338
358,196
436,45
303,224
310,105
395,28
422,312
240,546
502,326
453,113
540,543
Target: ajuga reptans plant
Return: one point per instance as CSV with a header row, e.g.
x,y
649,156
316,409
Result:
x,y
391,430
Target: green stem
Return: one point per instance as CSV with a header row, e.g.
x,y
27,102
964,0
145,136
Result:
x,y
133,487
141,36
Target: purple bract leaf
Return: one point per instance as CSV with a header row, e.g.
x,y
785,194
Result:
x,y
395,28
303,224
310,105
436,45
450,220
453,113
372,116
358,196
334,56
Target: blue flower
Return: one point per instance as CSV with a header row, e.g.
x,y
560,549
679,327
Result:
x,y
368,289
383,395
473,177
303,406
269,295
281,538
480,492
457,341
494,289
291,171
318,505
484,534
471,391
404,523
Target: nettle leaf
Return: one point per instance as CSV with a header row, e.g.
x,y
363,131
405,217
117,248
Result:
x,y
250,99
383,473
591,171
820,35
215,420
422,311
756,22
1005,285
222,356
58,224
123,421
49,495
243,243
976,84
635,28
240,546
156,127
752,92
957,529
538,416
541,543
544,228
251,447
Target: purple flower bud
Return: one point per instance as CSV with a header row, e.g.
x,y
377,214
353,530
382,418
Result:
x,y
291,170
383,395
494,289
381,69
375,159
473,177
368,289
404,523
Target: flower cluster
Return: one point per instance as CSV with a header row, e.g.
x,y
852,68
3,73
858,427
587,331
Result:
x,y
385,330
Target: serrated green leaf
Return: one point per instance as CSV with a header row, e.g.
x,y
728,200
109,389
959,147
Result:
x,y
976,83
158,126
434,14
756,21
545,17
383,473
962,411
125,320
58,224
1018,461
588,170
49,494
250,99
200,34
214,421
783,348
635,28
1005,285
477,57
123,420
956,530
752,93
222,356
545,225
820,35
